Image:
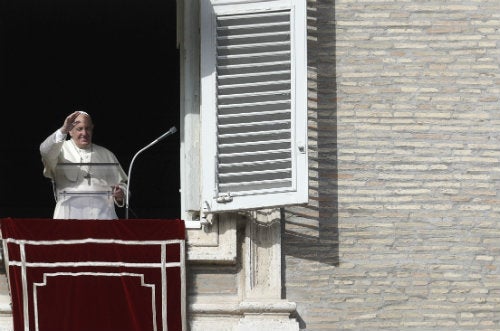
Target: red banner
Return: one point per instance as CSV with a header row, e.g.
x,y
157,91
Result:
x,y
96,275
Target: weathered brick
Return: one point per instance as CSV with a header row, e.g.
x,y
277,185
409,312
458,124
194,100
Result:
x,y
417,133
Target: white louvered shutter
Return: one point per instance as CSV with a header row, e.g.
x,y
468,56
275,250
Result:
x,y
253,105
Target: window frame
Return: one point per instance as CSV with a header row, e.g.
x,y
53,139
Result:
x,y
197,176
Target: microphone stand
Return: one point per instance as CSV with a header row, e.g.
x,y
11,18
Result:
x,y
172,130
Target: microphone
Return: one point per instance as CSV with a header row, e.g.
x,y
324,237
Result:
x,y
171,131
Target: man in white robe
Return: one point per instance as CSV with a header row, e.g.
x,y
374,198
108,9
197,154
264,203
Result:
x,y
89,180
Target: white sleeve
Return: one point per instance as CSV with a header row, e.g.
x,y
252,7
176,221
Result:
x,y
59,136
49,150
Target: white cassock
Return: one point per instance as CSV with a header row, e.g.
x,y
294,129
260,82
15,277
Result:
x,y
82,191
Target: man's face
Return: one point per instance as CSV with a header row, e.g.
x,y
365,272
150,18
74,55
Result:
x,y
82,131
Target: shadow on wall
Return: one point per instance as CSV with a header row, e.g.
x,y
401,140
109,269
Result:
x,y
311,232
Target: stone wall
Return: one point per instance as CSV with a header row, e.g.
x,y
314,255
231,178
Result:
x,y
5,303
402,231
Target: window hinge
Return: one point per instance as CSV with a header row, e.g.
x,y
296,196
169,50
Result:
x,y
224,197
206,215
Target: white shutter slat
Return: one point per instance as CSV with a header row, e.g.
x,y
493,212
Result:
x,y
255,164
249,157
258,175
251,94
249,101
249,144
267,114
226,87
227,58
249,38
271,134
262,74
280,105
252,187
272,105
254,125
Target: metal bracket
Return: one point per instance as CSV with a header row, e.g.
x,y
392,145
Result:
x,y
206,215
224,197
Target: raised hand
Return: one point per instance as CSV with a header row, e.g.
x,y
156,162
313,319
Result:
x,y
69,122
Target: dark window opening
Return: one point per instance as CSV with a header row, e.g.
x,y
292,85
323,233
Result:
x,y
119,60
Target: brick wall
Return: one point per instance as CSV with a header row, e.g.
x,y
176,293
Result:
x,y
402,231
5,302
